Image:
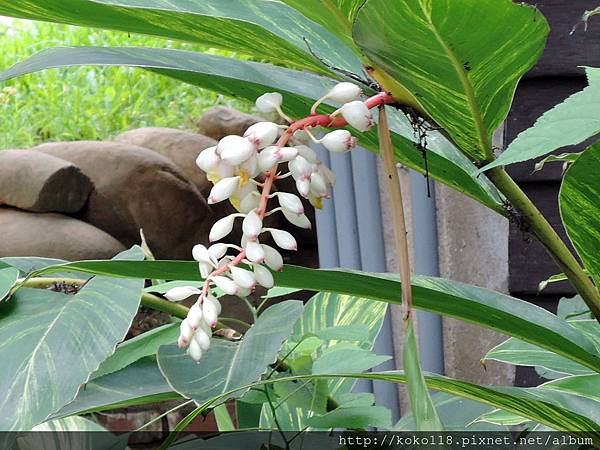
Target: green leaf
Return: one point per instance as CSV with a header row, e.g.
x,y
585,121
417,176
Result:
x,y
347,360
355,332
137,384
74,423
329,309
249,80
230,365
8,278
224,422
565,158
145,344
519,353
459,62
587,386
353,417
573,308
51,342
71,432
569,123
334,15
558,410
279,292
266,29
499,417
579,201
422,407
29,264
456,414
486,308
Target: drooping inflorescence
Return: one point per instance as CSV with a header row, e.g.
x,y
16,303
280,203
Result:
x,y
243,170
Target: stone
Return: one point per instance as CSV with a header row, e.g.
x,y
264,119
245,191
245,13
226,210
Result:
x,y
41,183
181,147
52,235
221,121
136,188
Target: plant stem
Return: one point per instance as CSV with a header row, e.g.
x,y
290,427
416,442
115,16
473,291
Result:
x,y
547,236
148,300
397,208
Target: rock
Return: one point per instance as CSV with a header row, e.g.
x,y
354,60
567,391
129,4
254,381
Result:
x,y
137,188
220,121
53,235
179,146
41,183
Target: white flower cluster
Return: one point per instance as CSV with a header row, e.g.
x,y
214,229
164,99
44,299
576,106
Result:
x,y
243,170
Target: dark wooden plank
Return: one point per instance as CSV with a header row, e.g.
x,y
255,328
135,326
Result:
x,y
533,98
565,52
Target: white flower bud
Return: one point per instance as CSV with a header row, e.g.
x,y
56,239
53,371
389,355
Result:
x,y
290,202
268,158
263,276
212,299
222,228
339,141
344,92
254,252
283,239
262,134
235,150
185,332
178,294
269,102
243,292
318,186
308,153
194,316
217,251
223,170
209,312
300,168
181,342
358,115
303,186
195,351
208,159
223,189
273,258
252,225
205,269
326,173
242,277
250,202
287,153
201,254
203,340
300,220
226,285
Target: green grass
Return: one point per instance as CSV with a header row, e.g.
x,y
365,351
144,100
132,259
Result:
x,y
90,103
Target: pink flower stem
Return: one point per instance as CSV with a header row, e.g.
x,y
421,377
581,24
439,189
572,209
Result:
x,y
324,120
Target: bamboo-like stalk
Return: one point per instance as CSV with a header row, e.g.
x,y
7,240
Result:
x,y
397,209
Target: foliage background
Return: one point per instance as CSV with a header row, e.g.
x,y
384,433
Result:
x,y
91,103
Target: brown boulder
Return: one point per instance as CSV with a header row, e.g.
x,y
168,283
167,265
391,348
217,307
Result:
x,y
137,188
41,183
53,235
179,146
221,121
